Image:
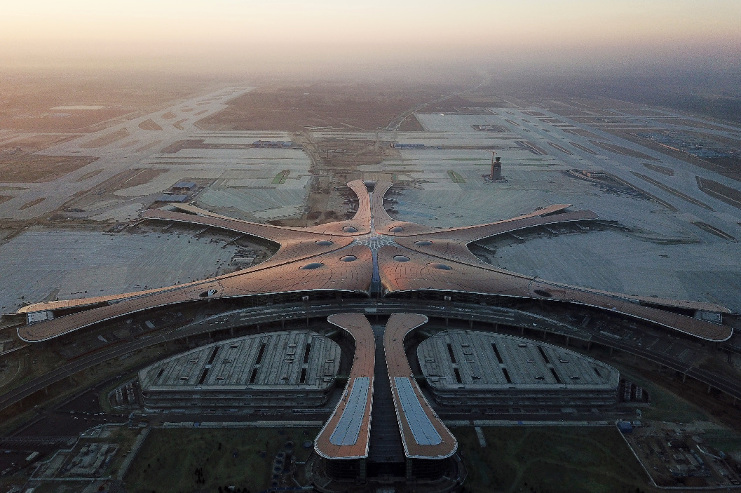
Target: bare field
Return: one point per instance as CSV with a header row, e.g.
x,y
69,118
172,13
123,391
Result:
x,y
149,124
24,167
714,189
87,176
33,142
334,163
151,145
28,205
485,99
242,457
133,178
582,133
343,106
574,459
43,120
659,169
345,153
55,101
622,150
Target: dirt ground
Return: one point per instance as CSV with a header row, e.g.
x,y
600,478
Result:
x,y
718,190
106,139
466,103
19,164
334,163
149,124
242,456
347,154
341,106
34,101
24,167
624,151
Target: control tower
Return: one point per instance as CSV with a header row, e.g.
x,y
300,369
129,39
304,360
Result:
x,y
496,167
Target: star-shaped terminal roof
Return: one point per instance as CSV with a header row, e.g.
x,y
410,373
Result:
x,y
370,252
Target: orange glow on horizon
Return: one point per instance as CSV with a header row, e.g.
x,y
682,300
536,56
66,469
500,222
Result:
x,y
327,31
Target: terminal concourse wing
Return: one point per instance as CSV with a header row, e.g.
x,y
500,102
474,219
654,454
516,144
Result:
x,y
317,258
361,254
403,269
346,434
423,433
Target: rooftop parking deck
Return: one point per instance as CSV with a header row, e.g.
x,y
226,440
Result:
x,y
497,362
284,360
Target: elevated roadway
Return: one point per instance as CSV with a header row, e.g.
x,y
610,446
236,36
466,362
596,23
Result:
x,y
300,311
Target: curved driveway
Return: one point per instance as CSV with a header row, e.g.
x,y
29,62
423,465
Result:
x,y
460,311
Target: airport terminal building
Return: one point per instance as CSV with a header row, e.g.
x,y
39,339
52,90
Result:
x,y
383,424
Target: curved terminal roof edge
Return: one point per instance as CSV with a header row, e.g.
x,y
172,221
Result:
x,y
430,252
423,272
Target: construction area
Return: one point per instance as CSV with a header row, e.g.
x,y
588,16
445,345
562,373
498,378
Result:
x,y
676,455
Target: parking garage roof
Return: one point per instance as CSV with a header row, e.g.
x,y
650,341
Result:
x,y
488,361
264,360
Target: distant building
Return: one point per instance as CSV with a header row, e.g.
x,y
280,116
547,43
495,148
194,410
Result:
x,y
172,197
276,144
183,186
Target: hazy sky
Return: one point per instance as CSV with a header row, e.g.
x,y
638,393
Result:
x,y
296,33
